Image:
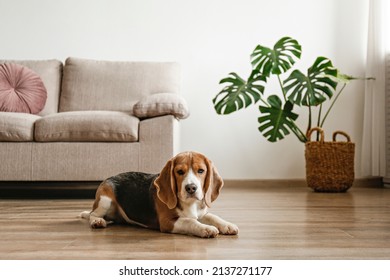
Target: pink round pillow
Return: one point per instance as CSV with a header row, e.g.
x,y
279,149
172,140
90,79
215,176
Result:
x,y
21,89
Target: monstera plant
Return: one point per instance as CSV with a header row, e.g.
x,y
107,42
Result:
x,y
277,117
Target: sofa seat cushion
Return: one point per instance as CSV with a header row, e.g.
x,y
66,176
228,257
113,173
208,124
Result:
x,y
17,127
87,126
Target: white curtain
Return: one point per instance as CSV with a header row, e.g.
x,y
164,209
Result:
x,y
374,134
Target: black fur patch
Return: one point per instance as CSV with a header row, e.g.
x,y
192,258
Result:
x,y
134,192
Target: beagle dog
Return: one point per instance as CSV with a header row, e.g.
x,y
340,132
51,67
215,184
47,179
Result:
x,y
174,201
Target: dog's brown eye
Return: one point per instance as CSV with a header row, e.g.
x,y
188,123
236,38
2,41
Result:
x,y
180,172
200,171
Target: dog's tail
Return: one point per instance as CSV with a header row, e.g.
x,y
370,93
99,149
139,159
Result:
x,y
84,215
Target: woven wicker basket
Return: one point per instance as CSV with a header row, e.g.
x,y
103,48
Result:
x,y
329,165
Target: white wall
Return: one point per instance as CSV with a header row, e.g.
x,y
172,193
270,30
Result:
x,y
210,38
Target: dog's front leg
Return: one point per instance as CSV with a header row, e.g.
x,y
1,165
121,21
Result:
x,y
223,226
191,226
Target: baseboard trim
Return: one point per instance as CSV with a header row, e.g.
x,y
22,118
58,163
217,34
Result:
x,y
53,189
386,182
368,182
88,189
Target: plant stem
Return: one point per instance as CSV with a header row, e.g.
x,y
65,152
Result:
x,y
301,136
309,121
264,102
282,87
319,116
318,121
331,105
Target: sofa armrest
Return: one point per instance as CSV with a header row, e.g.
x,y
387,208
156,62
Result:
x,y
159,142
161,104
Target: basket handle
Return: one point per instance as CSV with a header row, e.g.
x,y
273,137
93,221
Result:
x,y
318,129
342,133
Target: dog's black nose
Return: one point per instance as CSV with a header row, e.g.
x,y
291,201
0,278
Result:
x,y
191,188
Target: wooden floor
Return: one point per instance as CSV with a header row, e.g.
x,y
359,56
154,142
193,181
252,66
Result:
x,y
275,223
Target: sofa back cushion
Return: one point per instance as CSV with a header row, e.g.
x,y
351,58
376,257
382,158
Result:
x,y
116,86
50,72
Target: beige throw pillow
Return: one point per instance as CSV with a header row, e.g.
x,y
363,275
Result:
x,y
160,104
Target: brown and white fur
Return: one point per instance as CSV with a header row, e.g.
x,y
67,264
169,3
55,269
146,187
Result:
x,y
174,201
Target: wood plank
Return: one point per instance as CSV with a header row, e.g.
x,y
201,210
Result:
x,y
285,222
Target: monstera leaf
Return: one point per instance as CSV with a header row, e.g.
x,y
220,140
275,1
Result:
x,y
277,118
239,93
276,122
277,60
311,90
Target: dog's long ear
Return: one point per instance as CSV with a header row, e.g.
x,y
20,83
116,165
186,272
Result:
x,y
213,183
166,186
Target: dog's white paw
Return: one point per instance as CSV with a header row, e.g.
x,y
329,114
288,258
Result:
x,y
228,229
209,232
98,223
84,214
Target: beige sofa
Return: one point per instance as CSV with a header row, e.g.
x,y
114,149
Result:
x,y
100,118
